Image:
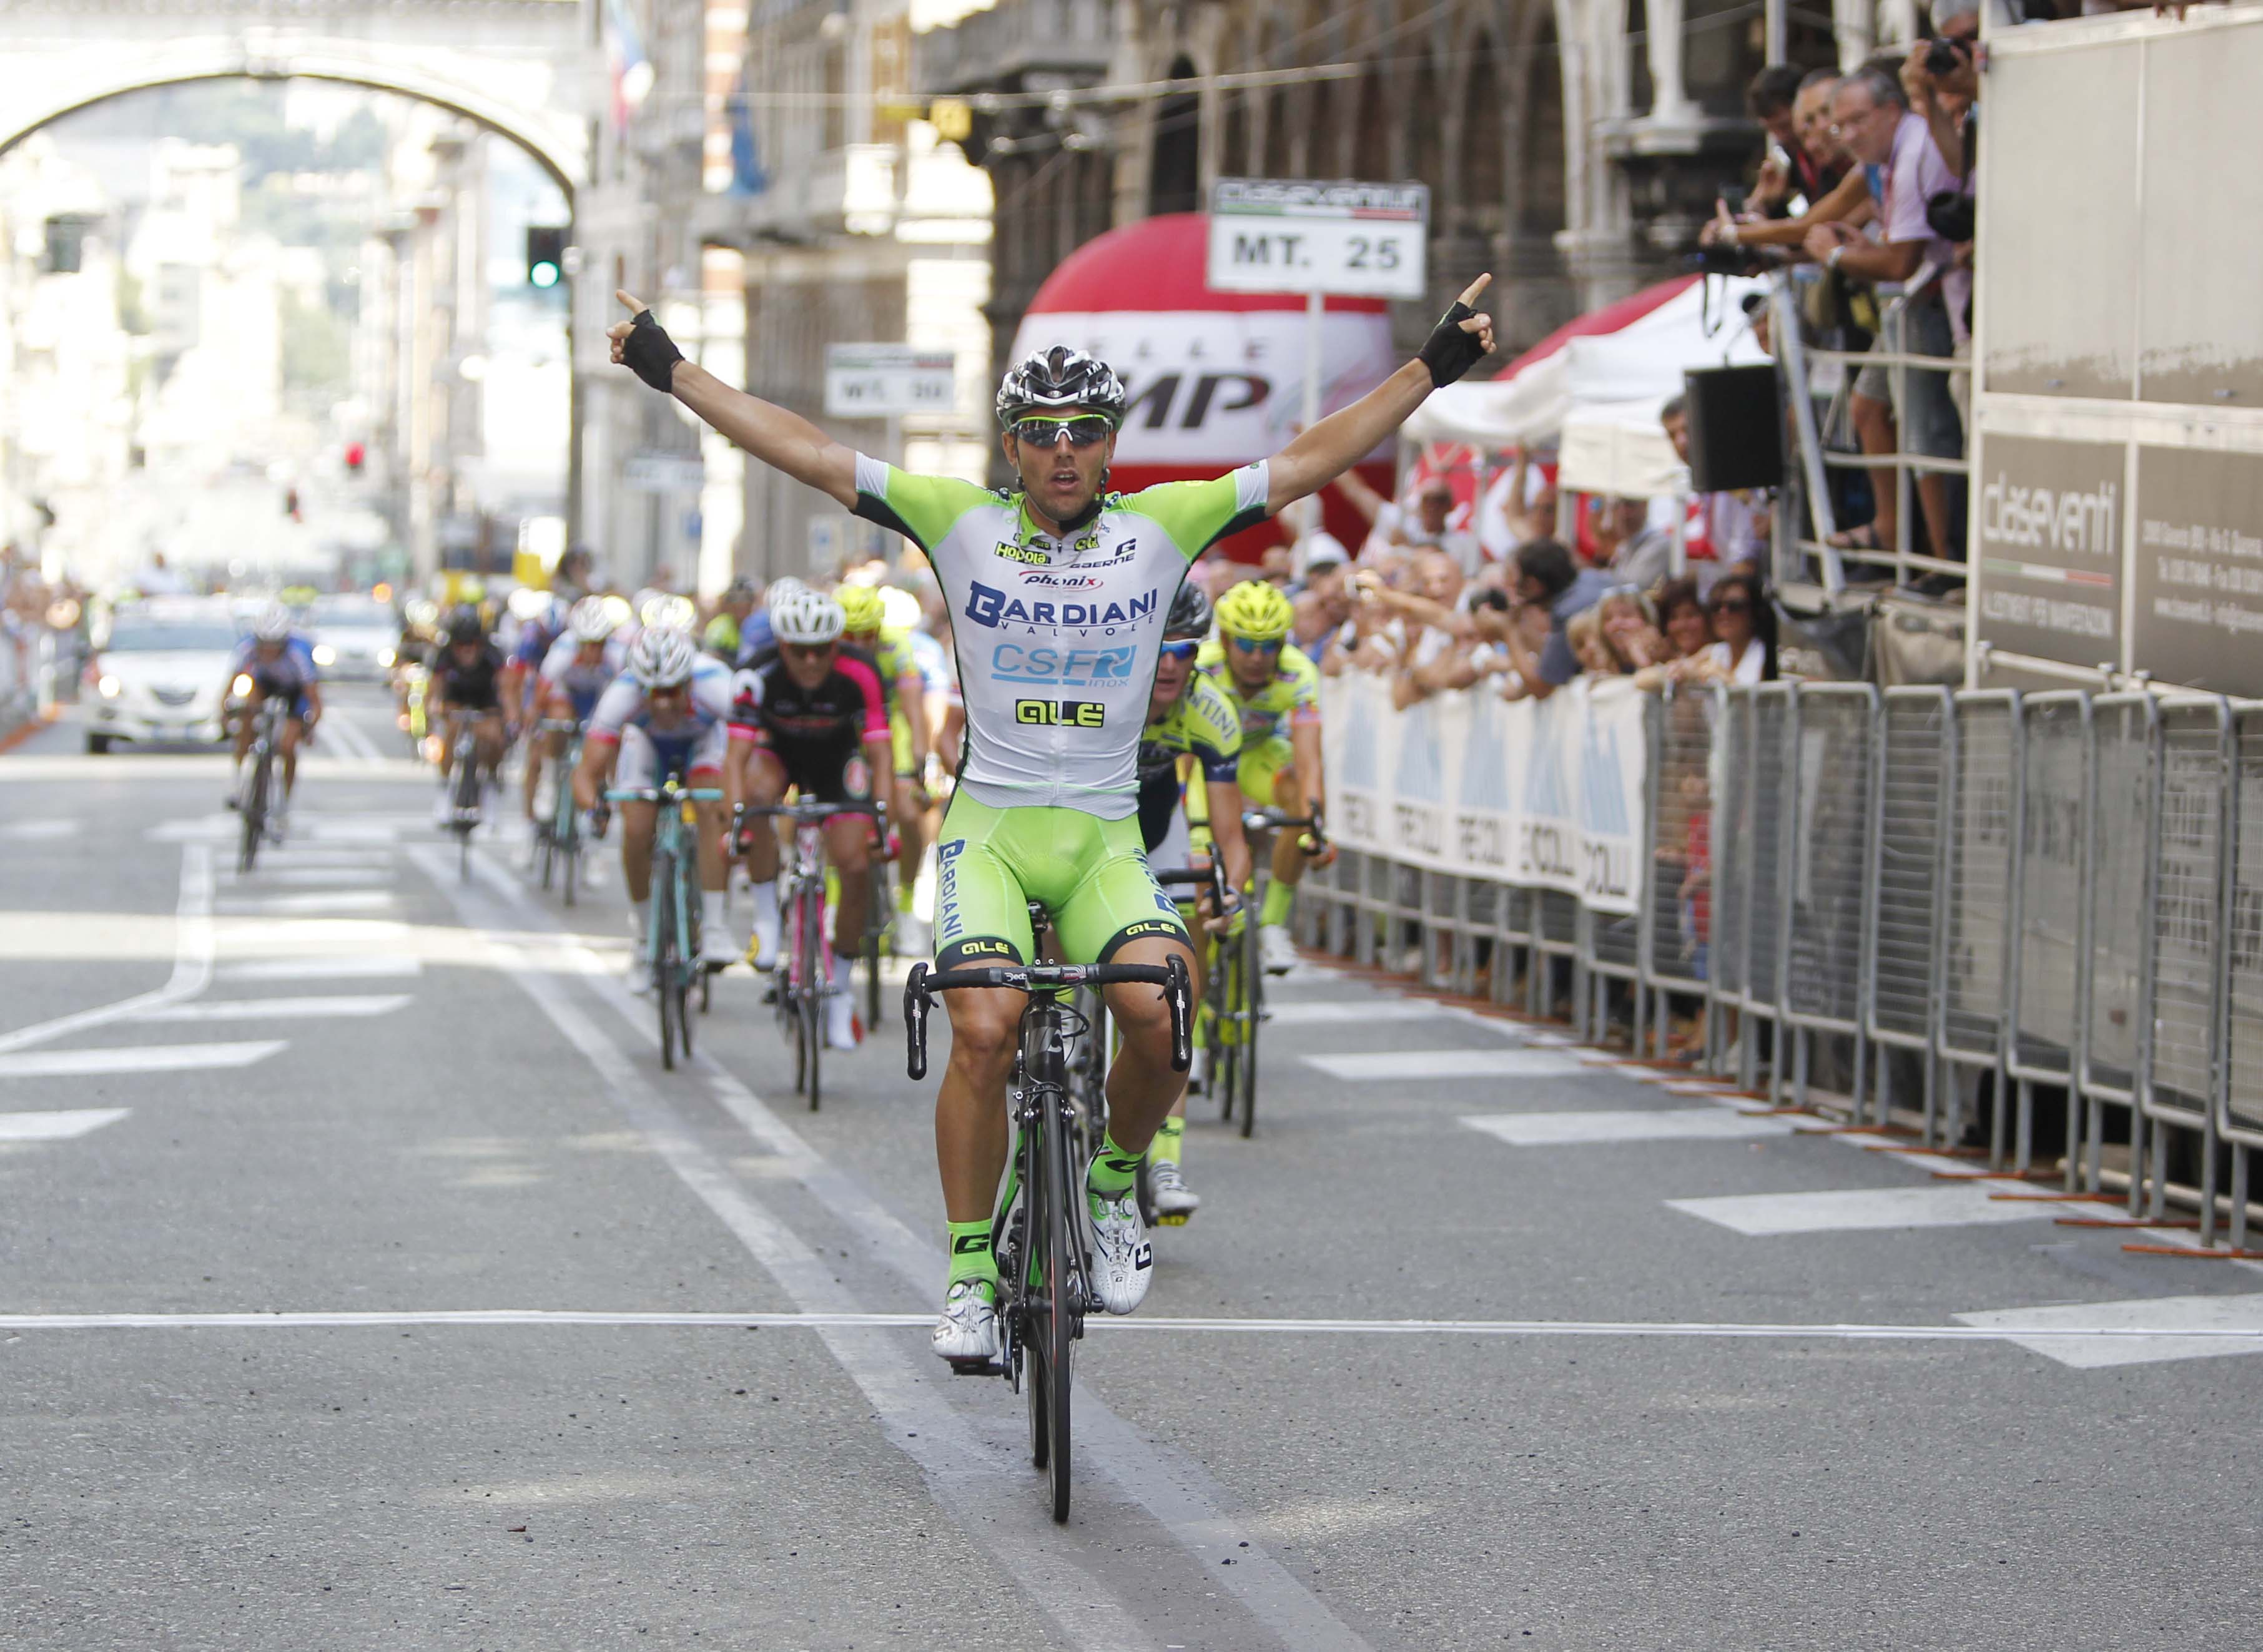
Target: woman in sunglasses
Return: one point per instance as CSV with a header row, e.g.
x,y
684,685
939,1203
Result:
x,y
1744,631
1058,590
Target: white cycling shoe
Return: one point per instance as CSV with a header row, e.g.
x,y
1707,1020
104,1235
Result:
x,y
841,1021
639,972
1276,949
1168,1191
764,951
915,936
1122,1261
716,950
968,1329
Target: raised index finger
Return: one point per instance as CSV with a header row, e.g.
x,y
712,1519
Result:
x,y
1469,293
636,305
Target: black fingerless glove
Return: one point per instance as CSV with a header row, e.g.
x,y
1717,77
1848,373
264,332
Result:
x,y
1450,352
651,354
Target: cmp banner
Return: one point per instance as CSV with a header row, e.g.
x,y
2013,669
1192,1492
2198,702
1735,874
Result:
x,y
1538,792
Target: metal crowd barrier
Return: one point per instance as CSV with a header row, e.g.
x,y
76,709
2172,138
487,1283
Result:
x,y
1959,911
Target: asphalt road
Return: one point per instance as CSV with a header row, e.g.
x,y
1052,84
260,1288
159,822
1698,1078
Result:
x,y
366,1283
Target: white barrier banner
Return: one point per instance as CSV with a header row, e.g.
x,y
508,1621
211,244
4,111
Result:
x,y
1541,792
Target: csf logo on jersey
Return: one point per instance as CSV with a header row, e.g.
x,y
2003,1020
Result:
x,y
1061,713
987,606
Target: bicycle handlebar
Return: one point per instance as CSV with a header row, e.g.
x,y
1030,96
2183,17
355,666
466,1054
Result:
x,y
1212,877
1272,820
808,810
1048,978
655,794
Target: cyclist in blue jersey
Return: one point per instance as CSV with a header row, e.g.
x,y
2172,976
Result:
x,y
278,663
580,665
1057,591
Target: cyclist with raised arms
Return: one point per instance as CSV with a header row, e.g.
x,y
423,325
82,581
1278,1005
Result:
x,y
1189,722
804,719
1057,592
662,716
1276,691
281,664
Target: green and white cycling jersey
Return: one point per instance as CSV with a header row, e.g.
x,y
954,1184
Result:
x,y
1057,636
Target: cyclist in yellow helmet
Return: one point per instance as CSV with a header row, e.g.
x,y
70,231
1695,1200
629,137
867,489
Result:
x,y
892,657
1275,690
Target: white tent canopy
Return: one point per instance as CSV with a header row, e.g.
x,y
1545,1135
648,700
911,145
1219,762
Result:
x,y
1624,376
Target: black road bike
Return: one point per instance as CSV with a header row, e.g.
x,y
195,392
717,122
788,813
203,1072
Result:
x,y
1042,1232
262,784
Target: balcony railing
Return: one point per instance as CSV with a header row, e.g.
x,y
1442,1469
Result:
x,y
1012,40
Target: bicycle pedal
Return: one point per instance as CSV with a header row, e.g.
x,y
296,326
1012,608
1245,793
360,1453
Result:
x,y
975,1368
1178,1221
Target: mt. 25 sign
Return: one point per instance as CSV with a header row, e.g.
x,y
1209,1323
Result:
x,y
1348,240
885,381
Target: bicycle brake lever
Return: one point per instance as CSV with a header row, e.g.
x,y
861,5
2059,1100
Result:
x,y
915,1008
1177,996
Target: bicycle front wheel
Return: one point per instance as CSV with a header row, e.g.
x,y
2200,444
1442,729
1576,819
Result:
x,y
664,950
816,971
255,814
1055,1322
1252,1006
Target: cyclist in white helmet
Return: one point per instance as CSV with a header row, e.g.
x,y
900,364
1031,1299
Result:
x,y
815,718
580,666
279,661
1058,592
664,715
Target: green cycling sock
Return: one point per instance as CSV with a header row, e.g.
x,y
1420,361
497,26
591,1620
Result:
x,y
904,894
1168,1135
1113,1170
970,1252
1279,897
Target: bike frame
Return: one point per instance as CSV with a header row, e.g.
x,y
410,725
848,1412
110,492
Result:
x,y
672,937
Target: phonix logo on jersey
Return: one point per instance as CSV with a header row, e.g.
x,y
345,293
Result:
x,y
986,605
1061,713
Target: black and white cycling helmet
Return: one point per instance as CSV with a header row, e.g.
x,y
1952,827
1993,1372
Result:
x,y
807,618
273,625
1190,618
663,657
465,624
1057,379
591,620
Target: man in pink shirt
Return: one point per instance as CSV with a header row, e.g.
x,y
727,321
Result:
x,y
1905,168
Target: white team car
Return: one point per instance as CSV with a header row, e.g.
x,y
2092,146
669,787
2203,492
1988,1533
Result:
x,y
353,636
158,672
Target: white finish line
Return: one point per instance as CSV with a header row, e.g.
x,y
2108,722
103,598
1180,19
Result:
x,y
1447,1063
65,1064
58,1126
261,1009
2231,1331
1655,1124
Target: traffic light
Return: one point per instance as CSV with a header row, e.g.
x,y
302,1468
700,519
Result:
x,y
546,254
356,454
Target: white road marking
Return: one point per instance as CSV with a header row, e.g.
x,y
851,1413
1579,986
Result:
x,y
193,962
1170,1487
1861,1210
291,873
279,906
1446,1063
252,934
1330,1012
2217,1324
345,1005
38,830
349,736
59,1126
2177,1328
1673,1124
348,968
69,1064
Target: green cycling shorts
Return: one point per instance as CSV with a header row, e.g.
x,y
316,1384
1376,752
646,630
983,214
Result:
x,y
1090,874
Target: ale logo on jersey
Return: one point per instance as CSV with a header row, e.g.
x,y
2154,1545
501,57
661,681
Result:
x,y
986,605
1061,713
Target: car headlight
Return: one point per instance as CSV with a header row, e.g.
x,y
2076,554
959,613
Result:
x,y
385,656
325,655
108,686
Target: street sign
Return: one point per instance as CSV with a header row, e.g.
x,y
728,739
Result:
x,y
651,472
887,381
1348,240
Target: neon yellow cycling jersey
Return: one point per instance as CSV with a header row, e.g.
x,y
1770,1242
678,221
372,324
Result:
x,y
1292,696
1200,722
1058,635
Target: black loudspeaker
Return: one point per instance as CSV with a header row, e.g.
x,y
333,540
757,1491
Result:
x,y
1736,427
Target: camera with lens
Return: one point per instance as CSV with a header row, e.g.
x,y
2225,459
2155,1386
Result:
x,y
1943,56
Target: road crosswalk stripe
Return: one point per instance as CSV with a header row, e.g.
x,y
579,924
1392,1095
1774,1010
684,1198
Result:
x,y
2054,1332
1670,1124
260,1009
326,876
279,906
70,1063
1445,1064
1859,1209
58,1126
